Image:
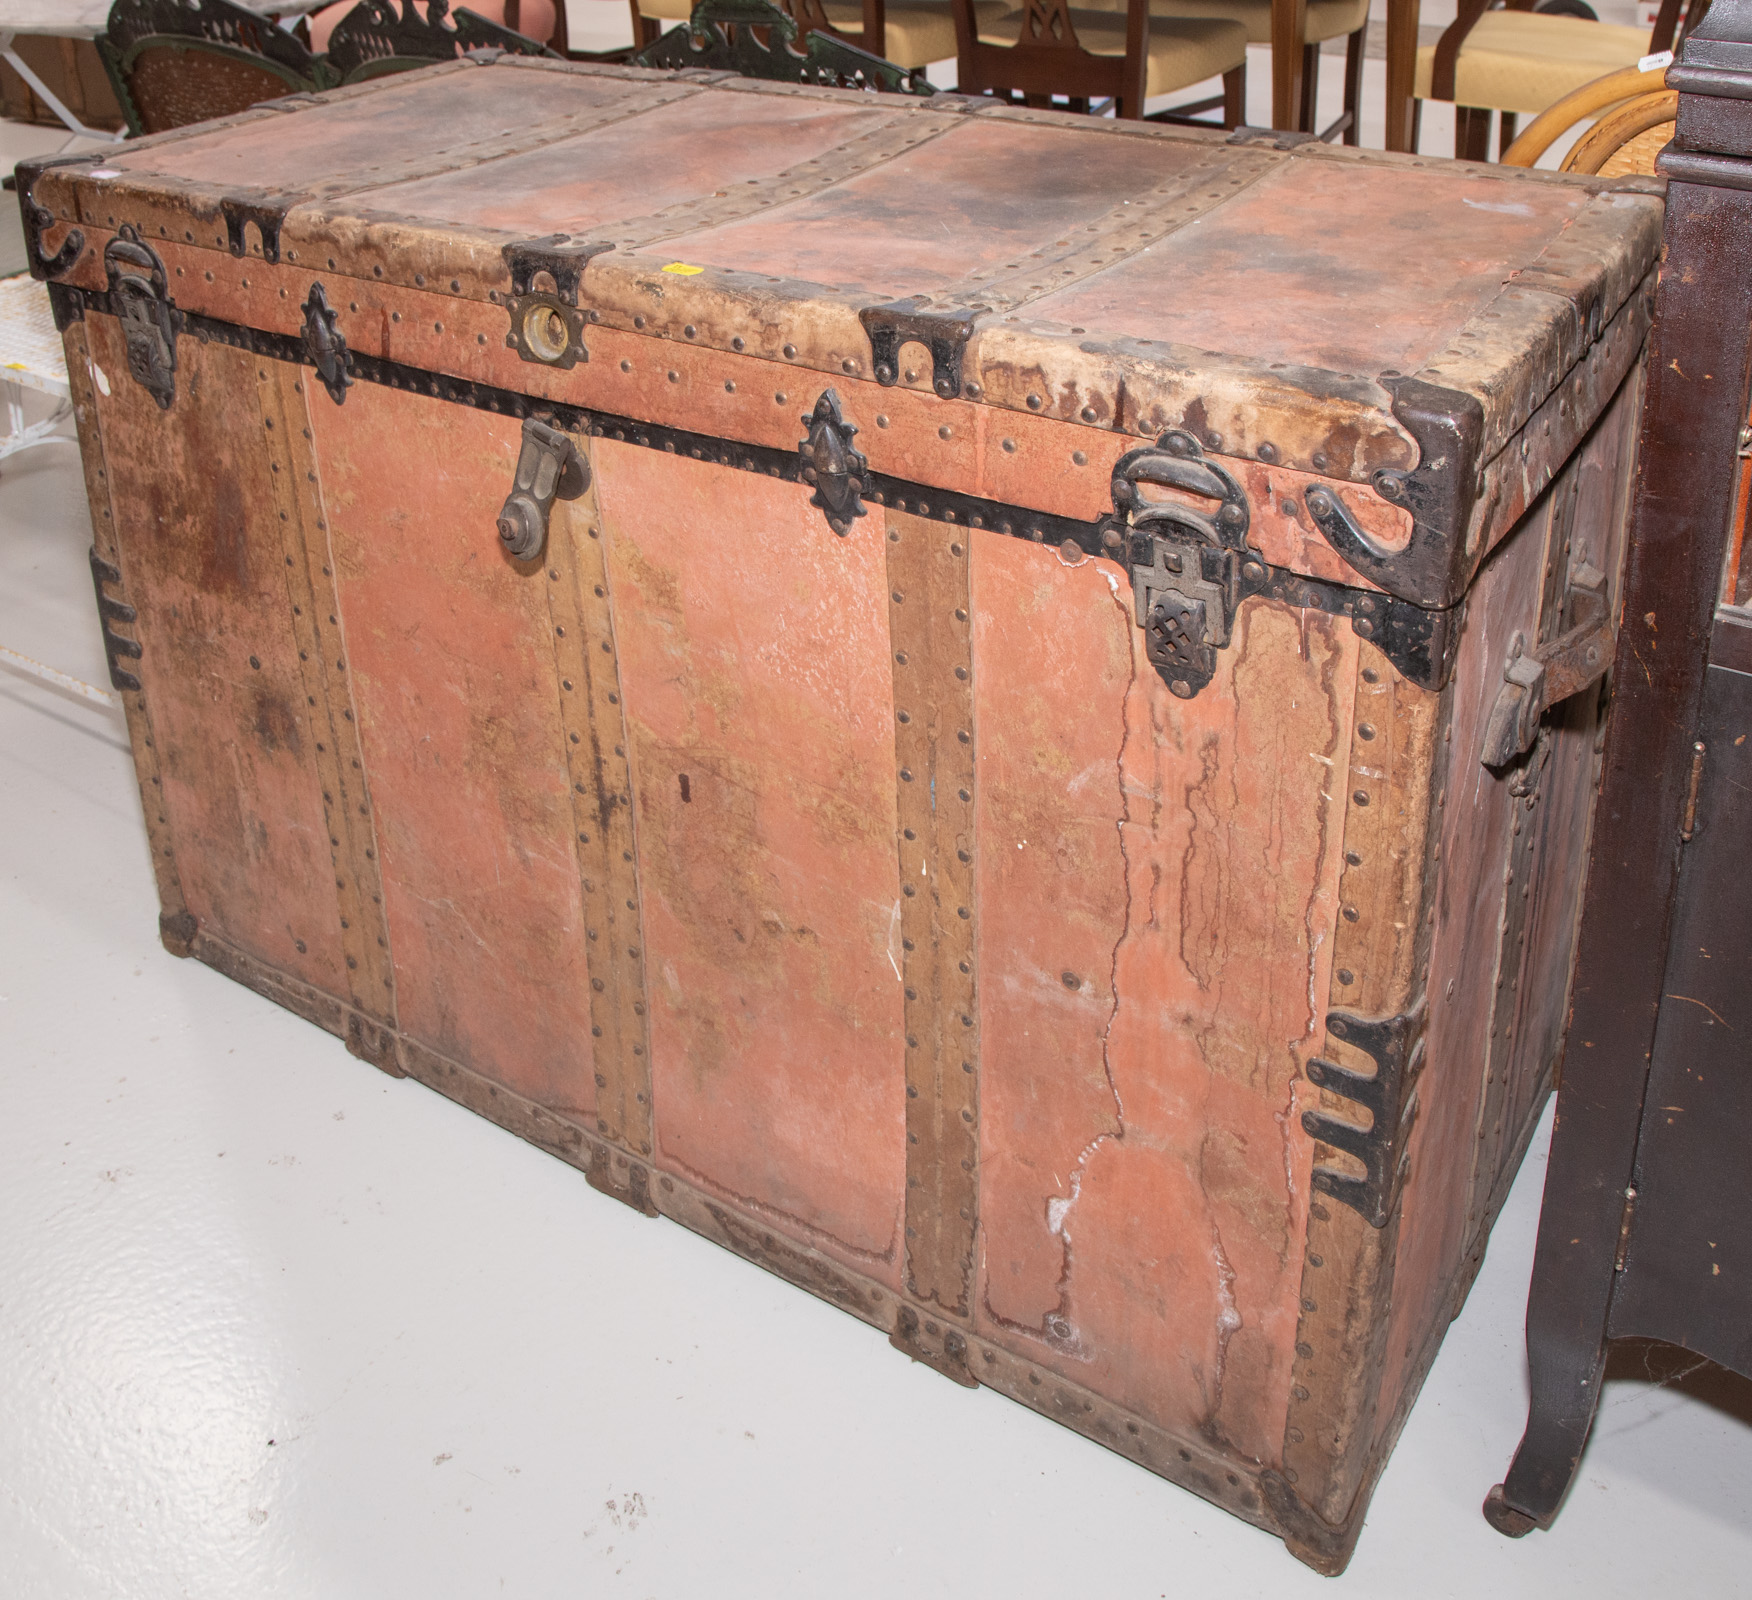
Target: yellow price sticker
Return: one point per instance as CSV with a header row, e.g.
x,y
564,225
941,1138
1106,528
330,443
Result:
x,y
682,270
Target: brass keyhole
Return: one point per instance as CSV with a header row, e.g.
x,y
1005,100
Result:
x,y
545,333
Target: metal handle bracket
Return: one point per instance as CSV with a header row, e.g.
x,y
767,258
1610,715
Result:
x,y
550,467
1535,680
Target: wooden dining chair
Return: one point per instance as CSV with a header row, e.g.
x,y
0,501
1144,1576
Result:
x,y
173,62
1640,113
1323,20
1515,61
1045,52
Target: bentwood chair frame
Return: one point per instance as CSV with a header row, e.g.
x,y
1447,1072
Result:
x,y
1640,113
1472,123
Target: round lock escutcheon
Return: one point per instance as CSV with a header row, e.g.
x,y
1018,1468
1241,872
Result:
x,y
545,332
544,329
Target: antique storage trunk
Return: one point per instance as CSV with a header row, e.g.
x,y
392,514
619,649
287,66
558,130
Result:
x,y
996,711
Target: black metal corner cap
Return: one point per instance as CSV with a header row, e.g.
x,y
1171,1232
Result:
x,y
39,219
1434,568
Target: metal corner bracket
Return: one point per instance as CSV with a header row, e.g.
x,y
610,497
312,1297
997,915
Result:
x,y
1396,1045
1433,568
116,647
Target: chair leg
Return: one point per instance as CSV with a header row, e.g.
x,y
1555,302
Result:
x,y
1353,84
645,29
1416,124
1471,133
1505,134
1235,96
1310,88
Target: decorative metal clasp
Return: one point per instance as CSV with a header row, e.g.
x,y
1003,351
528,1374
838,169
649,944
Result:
x,y
326,345
146,312
550,467
1190,568
837,471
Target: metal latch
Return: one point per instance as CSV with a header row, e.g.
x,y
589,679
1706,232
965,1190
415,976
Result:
x,y
550,467
1190,569
146,312
1536,679
832,465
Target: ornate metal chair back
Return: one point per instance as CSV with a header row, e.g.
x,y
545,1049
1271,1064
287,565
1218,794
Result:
x,y
759,40
376,37
174,62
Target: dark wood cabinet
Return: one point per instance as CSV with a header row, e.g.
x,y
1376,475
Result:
x,y
1646,1229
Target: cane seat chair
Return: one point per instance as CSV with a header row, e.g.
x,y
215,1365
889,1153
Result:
x,y
1518,61
1046,51
173,62
1636,114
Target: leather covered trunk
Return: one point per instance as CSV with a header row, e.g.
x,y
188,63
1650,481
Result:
x,y
996,711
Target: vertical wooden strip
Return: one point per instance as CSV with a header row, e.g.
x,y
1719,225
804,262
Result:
x,y
587,668
176,925
934,766
1347,1263
339,757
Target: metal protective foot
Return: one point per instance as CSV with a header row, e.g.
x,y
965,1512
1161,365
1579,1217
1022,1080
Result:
x,y
1502,1516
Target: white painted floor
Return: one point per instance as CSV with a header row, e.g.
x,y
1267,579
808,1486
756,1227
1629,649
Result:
x,y
272,1324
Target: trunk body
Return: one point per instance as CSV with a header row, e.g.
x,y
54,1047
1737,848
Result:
x,y
1020,865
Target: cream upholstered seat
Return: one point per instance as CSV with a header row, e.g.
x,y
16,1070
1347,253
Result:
x,y
1523,61
916,32
1517,62
1183,50
1326,19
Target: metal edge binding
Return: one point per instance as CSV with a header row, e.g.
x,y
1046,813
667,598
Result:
x,y
1418,640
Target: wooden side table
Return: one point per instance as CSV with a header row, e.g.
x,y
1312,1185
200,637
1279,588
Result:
x,y
1647,1222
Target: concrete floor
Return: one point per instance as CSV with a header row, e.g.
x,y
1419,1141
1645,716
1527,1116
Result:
x,y
272,1324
